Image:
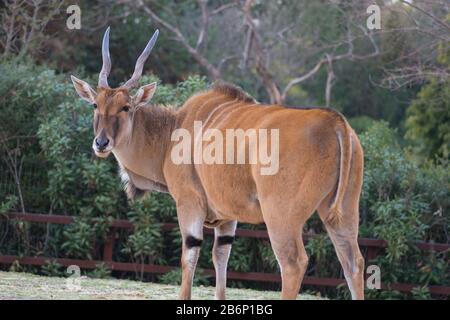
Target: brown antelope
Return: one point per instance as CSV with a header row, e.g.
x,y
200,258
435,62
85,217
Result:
x,y
320,169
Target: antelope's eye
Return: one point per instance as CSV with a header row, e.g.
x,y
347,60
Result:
x,y
95,106
125,109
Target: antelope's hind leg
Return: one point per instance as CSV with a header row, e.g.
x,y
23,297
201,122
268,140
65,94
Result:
x,y
191,222
344,237
224,236
287,244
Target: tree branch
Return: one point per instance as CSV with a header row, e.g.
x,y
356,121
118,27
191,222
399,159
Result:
x,y
223,8
213,72
203,4
329,59
432,16
261,56
330,80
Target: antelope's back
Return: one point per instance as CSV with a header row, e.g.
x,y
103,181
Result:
x,y
302,141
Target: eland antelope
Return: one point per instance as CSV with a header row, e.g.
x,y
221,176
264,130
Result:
x,y
320,168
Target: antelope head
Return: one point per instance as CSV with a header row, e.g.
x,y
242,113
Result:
x,y
113,108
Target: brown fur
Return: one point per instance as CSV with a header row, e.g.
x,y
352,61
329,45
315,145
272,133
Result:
x,y
232,91
320,168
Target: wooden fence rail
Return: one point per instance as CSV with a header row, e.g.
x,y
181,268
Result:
x,y
372,245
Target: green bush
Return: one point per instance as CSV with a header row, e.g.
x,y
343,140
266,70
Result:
x,y
8,204
403,200
361,124
101,271
145,244
428,116
399,204
52,269
27,94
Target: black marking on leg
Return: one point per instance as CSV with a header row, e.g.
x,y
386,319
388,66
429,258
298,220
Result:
x,y
193,242
223,240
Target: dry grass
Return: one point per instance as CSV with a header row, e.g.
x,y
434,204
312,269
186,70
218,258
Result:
x,y
15,285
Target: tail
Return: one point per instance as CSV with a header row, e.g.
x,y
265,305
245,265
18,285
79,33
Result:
x,y
345,146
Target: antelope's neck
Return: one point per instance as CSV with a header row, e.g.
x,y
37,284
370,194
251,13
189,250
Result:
x,y
148,143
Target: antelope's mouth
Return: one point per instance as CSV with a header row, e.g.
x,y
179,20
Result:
x,y
102,153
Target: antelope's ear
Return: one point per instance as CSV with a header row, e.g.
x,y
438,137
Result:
x,y
84,90
144,94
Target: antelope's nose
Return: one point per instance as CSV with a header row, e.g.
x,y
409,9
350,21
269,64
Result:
x,y
101,143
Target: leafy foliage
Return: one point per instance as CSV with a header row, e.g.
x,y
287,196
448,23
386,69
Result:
x,y
428,122
146,241
404,199
101,271
52,269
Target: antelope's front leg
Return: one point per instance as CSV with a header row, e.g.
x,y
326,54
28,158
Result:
x,y
191,226
224,236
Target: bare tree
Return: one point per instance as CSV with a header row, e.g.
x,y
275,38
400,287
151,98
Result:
x,y
329,56
269,44
256,43
22,23
425,24
196,51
